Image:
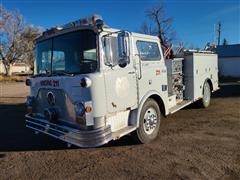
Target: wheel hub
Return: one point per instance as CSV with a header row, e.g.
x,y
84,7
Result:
x,y
150,120
206,94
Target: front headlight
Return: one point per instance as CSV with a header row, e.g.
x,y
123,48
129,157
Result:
x,y
79,109
80,113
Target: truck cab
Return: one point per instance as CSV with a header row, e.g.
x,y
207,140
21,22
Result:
x,y
93,84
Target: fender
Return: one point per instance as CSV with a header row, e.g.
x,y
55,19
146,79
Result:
x,y
210,83
135,114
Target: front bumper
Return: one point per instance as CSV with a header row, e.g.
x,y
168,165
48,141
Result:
x,y
81,138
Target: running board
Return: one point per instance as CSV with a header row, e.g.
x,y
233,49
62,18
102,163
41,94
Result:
x,y
122,132
179,106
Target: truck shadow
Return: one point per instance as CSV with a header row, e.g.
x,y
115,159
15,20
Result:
x,y
225,91
228,90
14,136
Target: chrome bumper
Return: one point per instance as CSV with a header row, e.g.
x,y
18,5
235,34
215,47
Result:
x,y
81,138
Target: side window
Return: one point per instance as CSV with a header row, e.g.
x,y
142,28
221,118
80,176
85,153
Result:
x,y
148,51
113,49
90,54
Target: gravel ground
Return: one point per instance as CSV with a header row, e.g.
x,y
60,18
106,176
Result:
x,y
192,144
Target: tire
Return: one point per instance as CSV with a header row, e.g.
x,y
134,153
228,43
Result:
x,y
149,122
205,101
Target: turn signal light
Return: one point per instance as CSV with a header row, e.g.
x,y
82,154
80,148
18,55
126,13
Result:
x,y
88,109
29,109
28,82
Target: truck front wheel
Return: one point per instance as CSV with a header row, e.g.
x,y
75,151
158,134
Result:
x,y
205,101
149,122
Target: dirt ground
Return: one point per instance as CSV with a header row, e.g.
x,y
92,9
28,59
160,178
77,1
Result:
x,y
192,144
13,90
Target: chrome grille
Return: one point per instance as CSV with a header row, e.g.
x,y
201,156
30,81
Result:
x,y
62,103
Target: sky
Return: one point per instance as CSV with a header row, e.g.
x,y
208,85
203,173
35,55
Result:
x,y
193,19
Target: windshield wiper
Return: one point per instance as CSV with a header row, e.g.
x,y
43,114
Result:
x,y
54,73
41,75
46,73
62,73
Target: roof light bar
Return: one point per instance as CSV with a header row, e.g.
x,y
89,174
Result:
x,y
93,20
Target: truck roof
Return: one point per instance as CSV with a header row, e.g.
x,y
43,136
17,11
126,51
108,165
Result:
x,y
85,23
55,32
145,36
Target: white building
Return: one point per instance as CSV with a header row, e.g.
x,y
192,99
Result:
x,y
2,70
15,68
229,60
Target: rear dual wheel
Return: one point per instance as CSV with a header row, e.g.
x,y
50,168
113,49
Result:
x,y
205,101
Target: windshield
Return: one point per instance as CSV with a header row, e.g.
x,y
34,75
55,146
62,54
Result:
x,y
73,53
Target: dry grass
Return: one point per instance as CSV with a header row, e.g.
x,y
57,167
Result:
x,y
13,78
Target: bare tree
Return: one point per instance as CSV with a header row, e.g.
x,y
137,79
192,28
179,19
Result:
x,y
16,39
159,25
146,28
29,35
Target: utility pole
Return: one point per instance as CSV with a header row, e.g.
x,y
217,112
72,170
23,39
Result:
x,y
214,34
219,29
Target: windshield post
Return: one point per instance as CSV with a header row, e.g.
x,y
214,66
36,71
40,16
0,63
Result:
x,y
51,59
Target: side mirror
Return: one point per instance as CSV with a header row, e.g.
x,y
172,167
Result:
x,y
123,48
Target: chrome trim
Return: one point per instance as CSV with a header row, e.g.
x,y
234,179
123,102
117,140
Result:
x,y
80,138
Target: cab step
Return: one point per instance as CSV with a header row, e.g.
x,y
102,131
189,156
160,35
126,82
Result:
x,y
121,132
179,106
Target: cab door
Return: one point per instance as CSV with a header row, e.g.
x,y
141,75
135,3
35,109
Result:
x,y
152,74
120,83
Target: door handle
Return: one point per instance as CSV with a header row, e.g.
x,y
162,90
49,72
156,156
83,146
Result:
x,y
140,66
140,70
131,72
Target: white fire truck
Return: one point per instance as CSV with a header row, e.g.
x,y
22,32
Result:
x,y
93,84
